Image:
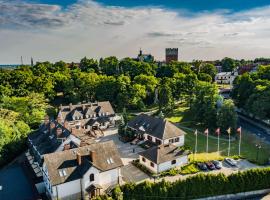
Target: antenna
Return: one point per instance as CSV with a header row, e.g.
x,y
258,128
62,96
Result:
x,y
21,60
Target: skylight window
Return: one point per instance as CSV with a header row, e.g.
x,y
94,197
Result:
x,y
62,172
110,161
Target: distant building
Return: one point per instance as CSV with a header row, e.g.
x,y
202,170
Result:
x,y
171,54
163,157
247,68
82,173
226,77
144,57
157,130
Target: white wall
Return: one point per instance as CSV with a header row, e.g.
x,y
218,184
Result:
x,y
164,166
166,141
67,189
147,164
167,165
178,144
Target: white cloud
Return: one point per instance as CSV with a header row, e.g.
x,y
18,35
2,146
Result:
x,y
49,32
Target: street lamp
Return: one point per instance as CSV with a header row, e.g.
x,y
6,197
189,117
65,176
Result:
x,y
258,148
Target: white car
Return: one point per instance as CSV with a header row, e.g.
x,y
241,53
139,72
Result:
x,y
231,162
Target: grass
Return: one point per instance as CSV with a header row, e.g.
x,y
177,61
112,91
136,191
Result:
x,y
183,117
248,148
189,169
203,157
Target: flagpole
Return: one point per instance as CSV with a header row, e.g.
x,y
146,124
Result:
x,y
229,144
218,144
207,143
195,151
240,137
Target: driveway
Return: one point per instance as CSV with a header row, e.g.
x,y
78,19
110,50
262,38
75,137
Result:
x,y
125,149
131,173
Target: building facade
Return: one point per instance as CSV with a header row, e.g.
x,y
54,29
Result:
x,y
82,173
171,54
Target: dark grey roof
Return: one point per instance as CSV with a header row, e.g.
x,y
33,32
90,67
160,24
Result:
x,y
67,112
45,140
163,153
68,160
157,127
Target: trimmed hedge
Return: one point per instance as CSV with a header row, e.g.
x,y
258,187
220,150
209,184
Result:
x,y
201,185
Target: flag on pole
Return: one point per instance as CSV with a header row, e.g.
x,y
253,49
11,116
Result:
x,y
229,130
206,131
218,131
239,130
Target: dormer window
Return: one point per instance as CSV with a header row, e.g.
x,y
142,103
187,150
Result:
x,y
110,161
62,172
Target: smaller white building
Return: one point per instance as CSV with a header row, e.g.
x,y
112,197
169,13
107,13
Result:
x,y
163,157
157,130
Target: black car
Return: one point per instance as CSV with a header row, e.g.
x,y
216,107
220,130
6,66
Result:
x,y
210,165
202,166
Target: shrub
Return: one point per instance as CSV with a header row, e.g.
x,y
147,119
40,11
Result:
x,y
189,169
199,186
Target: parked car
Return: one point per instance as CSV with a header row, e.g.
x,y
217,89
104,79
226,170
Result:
x,y
135,141
202,166
231,162
217,164
210,165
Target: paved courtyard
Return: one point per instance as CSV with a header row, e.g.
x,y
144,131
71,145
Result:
x,y
125,149
131,173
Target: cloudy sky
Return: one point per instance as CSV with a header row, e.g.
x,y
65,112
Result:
x,y
70,30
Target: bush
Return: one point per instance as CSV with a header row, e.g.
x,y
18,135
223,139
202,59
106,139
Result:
x,y
199,186
171,172
189,169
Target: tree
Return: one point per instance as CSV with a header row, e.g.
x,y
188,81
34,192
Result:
x,y
204,102
205,77
109,65
89,65
137,94
227,116
228,64
165,97
210,70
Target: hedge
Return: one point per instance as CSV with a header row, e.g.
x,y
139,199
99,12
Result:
x,y
199,186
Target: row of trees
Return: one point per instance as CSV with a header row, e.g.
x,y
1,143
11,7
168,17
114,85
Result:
x,y
199,186
252,92
18,115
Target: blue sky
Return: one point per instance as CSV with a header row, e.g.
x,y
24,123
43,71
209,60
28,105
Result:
x,y
192,5
69,30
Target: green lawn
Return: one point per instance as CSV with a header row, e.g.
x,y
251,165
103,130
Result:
x,y
183,117
248,148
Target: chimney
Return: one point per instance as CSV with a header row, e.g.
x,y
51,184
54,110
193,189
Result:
x,y
79,158
92,156
59,132
66,124
52,126
70,107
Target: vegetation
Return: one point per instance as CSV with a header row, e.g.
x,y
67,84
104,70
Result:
x,y
190,168
252,92
199,186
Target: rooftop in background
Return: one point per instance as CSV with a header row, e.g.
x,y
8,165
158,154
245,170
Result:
x,y
158,127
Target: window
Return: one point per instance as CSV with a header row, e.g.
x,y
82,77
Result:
x,y
62,172
171,140
158,142
149,137
176,139
110,160
173,162
92,177
152,164
143,159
